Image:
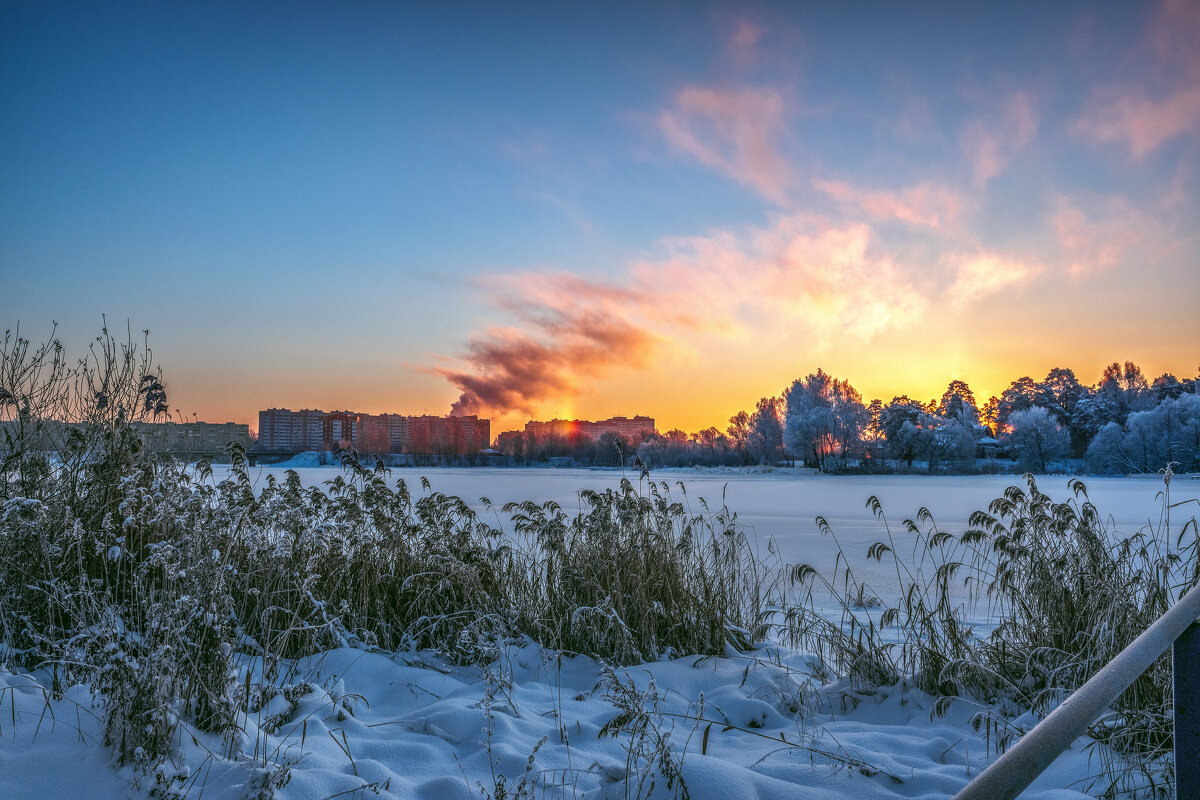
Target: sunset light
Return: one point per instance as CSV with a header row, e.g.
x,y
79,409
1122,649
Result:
x,y
587,212
481,400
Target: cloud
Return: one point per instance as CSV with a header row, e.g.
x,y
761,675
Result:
x,y
1177,194
925,204
735,131
991,144
742,46
801,278
1107,233
803,272
581,332
833,277
982,273
1162,100
1129,116
801,275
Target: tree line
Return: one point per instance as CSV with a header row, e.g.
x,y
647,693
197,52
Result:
x,y
1122,423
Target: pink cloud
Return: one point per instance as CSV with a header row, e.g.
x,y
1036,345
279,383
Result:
x,y
991,144
1162,101
925,204
1104,238
979,274
734,131
802,274
835,277
1129,116
1177,194
742,46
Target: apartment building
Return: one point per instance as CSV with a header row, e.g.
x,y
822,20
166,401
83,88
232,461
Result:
x,y
185,438
569,429
286,430
340,429
448,435
282,430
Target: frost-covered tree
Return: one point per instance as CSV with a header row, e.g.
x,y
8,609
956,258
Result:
x,y
915,433
710,440
850,418
1095,412
958,403
1021,395
1061,393
1168,387
900,421
809,427
739,430
765,441
825,418
610,449
1125,387
987,414
906,444
1037,438
1104,454
873,432
943,443
1166,434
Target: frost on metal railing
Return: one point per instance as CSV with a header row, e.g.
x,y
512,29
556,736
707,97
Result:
x,y
1010,774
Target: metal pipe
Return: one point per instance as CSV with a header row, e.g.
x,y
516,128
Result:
x,y
1012,772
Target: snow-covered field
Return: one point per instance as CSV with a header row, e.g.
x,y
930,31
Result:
x,y
411,726
769,724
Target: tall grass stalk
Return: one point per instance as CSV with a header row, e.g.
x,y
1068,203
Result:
x,y
160,586
149,579
1063,594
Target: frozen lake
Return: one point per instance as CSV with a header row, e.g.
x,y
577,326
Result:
x,y
782,506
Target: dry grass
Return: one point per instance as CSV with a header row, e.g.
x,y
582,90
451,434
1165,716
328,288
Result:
x,y
153,582
1064,595
181,576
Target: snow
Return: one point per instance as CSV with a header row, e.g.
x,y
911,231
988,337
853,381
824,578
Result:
x,y
781,506
412,726
303,460
781,503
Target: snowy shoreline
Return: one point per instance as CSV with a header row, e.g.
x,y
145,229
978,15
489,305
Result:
x,y
411,725
318,460
356,721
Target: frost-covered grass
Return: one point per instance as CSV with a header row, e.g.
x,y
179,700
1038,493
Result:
x,y
148,584
180,617
188,605
361,724
1065,595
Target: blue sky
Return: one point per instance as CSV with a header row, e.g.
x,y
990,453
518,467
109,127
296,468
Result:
x,y
554,209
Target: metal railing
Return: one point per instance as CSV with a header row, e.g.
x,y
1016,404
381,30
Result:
x,y
1011,773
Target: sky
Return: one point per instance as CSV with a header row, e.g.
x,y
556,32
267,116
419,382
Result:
x,y
585,210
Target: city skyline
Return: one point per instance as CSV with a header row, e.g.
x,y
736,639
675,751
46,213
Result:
x,y
285,429
573,212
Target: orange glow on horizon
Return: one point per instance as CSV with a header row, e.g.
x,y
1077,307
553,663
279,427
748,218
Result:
x,y
686,399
